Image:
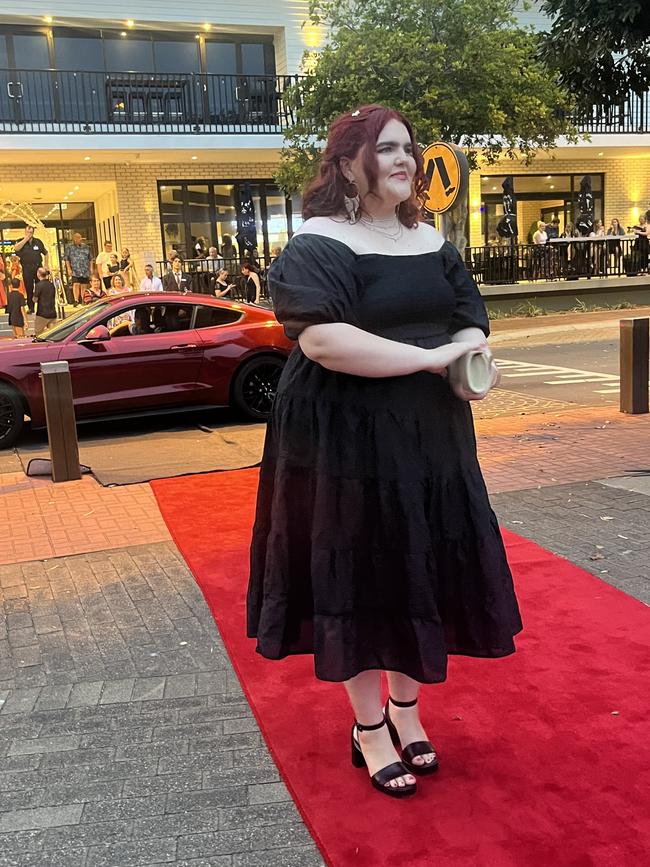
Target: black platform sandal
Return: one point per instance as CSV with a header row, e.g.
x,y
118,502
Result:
x,y
417,748
384,775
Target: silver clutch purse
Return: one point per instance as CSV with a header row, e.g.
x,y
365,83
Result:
x,y
473,375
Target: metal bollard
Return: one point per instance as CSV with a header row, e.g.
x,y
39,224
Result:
x,y
634,365
61,426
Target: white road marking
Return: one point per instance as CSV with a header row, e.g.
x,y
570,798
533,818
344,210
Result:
x,y
558,375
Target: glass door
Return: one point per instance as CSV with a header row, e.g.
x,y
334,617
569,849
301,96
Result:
x,y
33,83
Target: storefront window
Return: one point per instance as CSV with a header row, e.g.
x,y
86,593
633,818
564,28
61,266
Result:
x,y
126,54
221,58
276,219
195,216
175,56
173,220
78,53
539,197
198,211
225,213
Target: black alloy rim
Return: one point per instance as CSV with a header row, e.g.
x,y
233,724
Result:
x,y
7,416
260,386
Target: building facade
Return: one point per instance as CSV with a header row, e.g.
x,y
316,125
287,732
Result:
x,y
148,128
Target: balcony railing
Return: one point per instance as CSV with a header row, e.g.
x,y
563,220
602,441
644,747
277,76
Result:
x,y
37,100
629,115
34,100
565,259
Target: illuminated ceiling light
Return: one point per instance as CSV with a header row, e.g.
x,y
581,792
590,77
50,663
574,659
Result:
x,y
130,23
601,154
123,33
65,197
552,186
548,177
48,19
163,188
71,193
77,187
484,180
198,36
207,27
494,188
87,158
195,158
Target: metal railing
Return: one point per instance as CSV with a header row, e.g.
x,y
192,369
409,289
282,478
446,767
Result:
x,y
568,259
33,100
629,115
51,100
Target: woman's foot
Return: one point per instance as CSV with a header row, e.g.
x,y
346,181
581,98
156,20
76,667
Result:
x,y
406,721
378,751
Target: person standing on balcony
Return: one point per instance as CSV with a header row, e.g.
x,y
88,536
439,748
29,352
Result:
x,y
32,253
103,261
77,260
642,243
150,283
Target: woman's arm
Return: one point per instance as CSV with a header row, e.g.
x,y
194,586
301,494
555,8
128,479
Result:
x,y
347,349
258,287
469,335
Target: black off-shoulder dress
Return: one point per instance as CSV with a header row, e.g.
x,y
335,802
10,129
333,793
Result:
x,y
374,544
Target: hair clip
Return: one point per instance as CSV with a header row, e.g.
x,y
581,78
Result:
x,y
356,113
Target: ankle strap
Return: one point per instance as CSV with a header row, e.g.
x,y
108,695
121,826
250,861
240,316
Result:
x,y
361,728
403,703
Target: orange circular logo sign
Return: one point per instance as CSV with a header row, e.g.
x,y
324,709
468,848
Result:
x,y
447,172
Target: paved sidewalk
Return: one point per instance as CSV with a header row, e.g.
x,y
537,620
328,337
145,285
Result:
x,y
125,739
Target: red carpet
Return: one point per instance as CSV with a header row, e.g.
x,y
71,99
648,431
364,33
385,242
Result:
x,y
545,755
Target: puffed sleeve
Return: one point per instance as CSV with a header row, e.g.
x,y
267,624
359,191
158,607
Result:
x,y
470,309
313,282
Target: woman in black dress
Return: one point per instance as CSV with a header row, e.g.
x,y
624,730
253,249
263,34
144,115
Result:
x,y
375,548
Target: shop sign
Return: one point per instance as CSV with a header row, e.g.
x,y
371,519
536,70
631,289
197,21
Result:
x,y
447,173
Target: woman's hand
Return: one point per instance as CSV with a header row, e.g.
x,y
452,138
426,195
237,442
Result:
x,y
443,356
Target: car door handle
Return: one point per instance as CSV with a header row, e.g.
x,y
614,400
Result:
x,y
179,347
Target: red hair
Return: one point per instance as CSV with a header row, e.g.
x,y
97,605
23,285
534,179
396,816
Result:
x,y
347,135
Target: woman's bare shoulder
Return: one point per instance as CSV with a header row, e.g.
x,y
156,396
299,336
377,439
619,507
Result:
x,y
427,235
331,227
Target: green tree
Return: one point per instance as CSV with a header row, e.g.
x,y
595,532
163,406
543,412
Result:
x,y
460,70
600,47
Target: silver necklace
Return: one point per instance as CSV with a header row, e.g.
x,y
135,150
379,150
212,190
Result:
x,y
391,228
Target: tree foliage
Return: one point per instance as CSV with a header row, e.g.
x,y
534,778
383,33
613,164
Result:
x,y
601,47
460,70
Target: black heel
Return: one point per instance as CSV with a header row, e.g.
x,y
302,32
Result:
x,y
411,751
383,775
357,756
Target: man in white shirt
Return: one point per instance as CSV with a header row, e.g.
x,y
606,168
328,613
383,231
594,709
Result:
x,y
102,262
150,283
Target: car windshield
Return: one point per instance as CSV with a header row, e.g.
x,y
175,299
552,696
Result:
x,y
72,322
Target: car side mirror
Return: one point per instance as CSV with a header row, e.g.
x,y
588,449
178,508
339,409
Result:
x,y
96,334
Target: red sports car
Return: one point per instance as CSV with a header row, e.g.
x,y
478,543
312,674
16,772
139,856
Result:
x,y
145,352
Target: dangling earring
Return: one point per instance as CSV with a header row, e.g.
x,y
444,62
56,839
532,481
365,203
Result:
x,y
352,202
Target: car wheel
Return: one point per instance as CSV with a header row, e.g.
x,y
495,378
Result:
x,y
255,386
12,416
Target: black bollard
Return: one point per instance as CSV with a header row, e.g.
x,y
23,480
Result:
x,y
61,426
634,365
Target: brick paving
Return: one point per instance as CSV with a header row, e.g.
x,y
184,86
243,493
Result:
x,y
125,738
49,520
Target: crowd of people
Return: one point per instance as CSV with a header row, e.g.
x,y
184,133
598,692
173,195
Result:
x,y
27,286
